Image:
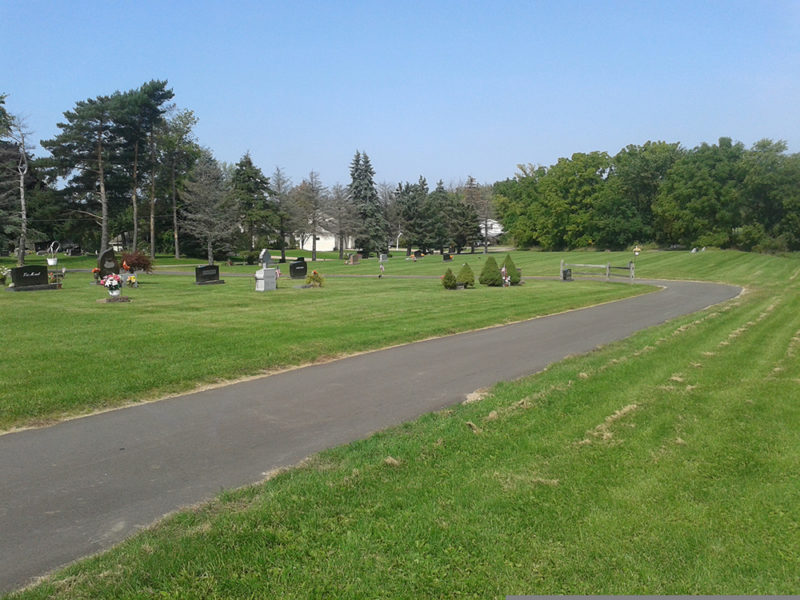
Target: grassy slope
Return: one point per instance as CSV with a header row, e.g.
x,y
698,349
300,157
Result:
x,y
664,464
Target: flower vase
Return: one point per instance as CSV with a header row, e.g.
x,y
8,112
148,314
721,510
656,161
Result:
x,y
114,293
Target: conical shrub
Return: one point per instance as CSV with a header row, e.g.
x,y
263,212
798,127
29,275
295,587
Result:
x,y
466,277
511,270
449,280
490,274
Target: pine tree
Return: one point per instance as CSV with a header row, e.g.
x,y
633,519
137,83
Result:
x,y
373,232
250,189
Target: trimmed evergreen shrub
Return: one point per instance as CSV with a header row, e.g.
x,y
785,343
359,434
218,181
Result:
x,y
466,276
511,270
449,280
490,274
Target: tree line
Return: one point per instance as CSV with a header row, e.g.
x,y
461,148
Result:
x,y
722,195
127,167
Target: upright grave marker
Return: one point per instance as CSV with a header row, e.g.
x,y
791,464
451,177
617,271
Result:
x,y
30,278
298,269
207,275
107,263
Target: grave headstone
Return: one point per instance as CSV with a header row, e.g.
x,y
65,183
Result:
x,y
298,269
29,278
447,257
207,274
418,253
107,263
384,257
266,280
264,258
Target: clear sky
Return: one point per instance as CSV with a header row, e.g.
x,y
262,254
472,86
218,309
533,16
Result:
x,y
442,89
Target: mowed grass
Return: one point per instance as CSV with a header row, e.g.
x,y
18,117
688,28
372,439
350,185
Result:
x,y
663,464
66,354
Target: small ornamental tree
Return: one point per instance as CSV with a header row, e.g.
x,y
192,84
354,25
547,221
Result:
x,y
511,270
466,277
490,275
137,261
449,280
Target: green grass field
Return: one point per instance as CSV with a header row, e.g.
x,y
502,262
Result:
x,y
663,464
65,354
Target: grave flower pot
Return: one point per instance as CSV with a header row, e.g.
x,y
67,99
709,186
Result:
x,y
51,262
114,293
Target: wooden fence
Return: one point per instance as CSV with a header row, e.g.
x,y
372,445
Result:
x,y
607,270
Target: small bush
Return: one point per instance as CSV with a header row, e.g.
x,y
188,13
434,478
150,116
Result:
x,y
490,274
251,258
314,279
511,270
136,261
466,276
449,280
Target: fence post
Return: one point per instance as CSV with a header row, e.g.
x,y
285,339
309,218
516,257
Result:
x,y
608,271
561,270
631,267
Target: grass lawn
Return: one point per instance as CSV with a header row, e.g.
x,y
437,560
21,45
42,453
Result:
x,y
663,464
66,354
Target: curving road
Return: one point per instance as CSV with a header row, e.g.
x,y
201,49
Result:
x,y
78,487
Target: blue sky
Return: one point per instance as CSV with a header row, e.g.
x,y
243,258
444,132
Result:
x,y
440,89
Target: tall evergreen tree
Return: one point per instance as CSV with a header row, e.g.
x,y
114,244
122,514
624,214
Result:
x,y
137,116
411,199
250,189
372,235
83,151
435,214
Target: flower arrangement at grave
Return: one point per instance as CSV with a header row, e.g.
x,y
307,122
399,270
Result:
x,y
131,281
4,274
314,279
112,282
96,274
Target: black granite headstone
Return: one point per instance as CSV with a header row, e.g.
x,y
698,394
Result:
x,y
207,274
30,278
107,263
29,275
447,257
298,269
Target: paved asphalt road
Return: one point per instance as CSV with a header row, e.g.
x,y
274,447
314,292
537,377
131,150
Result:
x,y
78,487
